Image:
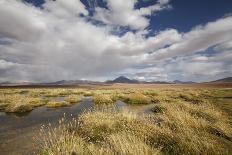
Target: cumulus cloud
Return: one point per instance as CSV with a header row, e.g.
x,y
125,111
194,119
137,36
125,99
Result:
x,y
59,41
20,21
198,39
65,8
123,13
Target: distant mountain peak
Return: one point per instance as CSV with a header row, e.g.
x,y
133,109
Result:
x,y
123,79
122,76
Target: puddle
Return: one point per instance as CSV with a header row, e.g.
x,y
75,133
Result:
x,y
2,114
141,109
57,99
119,104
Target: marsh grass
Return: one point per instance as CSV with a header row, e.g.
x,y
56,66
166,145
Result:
x,y
56,104
185,121
158,109
111,131
19,103
21,100
95,133
136,98
180,125
102,99
73,99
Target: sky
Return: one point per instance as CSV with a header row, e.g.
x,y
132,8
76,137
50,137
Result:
x,y
152,40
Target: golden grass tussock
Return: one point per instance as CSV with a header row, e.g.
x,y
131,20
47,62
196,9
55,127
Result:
x,y
102,99
20,100
96,132
19,103
73,98
57,92
136,98
55,104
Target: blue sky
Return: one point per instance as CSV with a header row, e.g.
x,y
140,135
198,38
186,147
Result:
x,y
150,40
183,16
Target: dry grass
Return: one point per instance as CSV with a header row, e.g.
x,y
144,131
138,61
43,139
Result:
x,y
175,131
102,99
136,98
19,103
24,100
96,133
184,121
55,104
73,99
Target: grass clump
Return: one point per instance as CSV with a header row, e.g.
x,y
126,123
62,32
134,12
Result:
x,y
192,98
73,99
136,98
102,99
19,103
3,105
55,104
97,132
87,93
158,109
37,102
18,108
57,92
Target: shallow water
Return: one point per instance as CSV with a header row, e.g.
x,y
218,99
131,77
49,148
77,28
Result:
x,y
17,131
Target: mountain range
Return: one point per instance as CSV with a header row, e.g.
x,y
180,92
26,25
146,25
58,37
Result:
x,y
224,80
120,79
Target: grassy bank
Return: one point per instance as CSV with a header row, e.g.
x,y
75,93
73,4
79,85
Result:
x,y
25,100
184,121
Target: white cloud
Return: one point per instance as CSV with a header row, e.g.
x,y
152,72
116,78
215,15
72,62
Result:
x,y
123,13
65,8
5,65
55,43
20,21
198,39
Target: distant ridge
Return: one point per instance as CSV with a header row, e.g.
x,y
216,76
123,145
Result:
x,y
224,80
120,79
